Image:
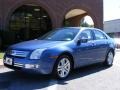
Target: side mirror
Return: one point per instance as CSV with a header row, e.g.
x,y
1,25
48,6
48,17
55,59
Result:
x,y
82,41
85,40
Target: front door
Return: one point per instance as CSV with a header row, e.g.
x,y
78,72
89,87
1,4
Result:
x,y
85,51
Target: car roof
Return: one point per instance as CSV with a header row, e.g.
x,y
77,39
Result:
x,y
80,28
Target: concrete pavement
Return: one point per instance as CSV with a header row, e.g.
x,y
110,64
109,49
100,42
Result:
x,y
95,77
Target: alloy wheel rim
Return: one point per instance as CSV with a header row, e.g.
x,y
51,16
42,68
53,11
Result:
x,y
63,68
110,58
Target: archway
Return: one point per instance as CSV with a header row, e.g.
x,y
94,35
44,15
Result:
x,y
29,22
77,18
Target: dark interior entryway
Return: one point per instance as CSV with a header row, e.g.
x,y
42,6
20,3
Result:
x,y
29,22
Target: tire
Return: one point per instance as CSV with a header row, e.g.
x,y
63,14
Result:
x,y
63,67
109,59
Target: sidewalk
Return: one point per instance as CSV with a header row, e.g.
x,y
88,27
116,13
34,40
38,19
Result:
x,y
1,62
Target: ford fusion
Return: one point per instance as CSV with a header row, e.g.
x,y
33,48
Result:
x,y
60,51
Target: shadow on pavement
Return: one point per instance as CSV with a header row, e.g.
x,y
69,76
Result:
x,y
84,71
20,81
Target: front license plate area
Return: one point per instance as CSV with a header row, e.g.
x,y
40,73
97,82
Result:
x,y
8,61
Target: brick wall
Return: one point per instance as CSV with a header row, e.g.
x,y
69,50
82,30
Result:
x,y
56,9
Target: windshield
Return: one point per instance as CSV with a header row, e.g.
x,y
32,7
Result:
x,y
60,35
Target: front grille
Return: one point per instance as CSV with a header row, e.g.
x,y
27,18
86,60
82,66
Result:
x,y
17,53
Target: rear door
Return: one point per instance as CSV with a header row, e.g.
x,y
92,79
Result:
x,y
100,45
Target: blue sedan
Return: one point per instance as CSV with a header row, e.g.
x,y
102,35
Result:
x,y
60,51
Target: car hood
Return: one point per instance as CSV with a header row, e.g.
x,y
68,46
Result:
x,y
36,44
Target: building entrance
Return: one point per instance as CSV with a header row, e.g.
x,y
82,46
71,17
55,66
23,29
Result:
x,y
29,22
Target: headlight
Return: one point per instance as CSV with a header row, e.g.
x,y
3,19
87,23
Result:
x,y
36,54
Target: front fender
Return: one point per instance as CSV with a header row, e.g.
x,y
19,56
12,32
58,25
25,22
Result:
x,y
58,51
50,56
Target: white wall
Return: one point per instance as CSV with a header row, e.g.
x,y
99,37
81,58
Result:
x,y
112,26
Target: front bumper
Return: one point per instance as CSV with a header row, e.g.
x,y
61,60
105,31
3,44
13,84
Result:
x,y
43,66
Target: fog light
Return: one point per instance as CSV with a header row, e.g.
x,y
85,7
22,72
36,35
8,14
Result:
x,y
31,66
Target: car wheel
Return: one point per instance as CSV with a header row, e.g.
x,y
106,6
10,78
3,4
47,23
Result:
x,y
109,59
62,67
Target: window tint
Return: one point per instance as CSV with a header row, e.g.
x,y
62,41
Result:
x,y
86,35
60,35
99,35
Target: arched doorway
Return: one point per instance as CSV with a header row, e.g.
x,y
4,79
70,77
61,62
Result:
x,y
29,22
78,17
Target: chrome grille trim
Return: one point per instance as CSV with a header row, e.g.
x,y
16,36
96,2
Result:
x,y
18,53
18,65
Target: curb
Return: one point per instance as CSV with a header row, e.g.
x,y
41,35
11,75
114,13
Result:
x,y
1,66
1,62
118,50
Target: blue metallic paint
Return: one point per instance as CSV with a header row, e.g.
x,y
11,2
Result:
x,y
83,54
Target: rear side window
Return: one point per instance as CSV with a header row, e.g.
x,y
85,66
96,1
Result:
x,y
99,35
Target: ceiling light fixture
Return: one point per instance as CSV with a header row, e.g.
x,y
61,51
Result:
x,y
37,9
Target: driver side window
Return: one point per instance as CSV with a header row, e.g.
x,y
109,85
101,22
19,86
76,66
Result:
x,y
86,35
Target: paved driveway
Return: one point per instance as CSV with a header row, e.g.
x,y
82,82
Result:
x,y
96,77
